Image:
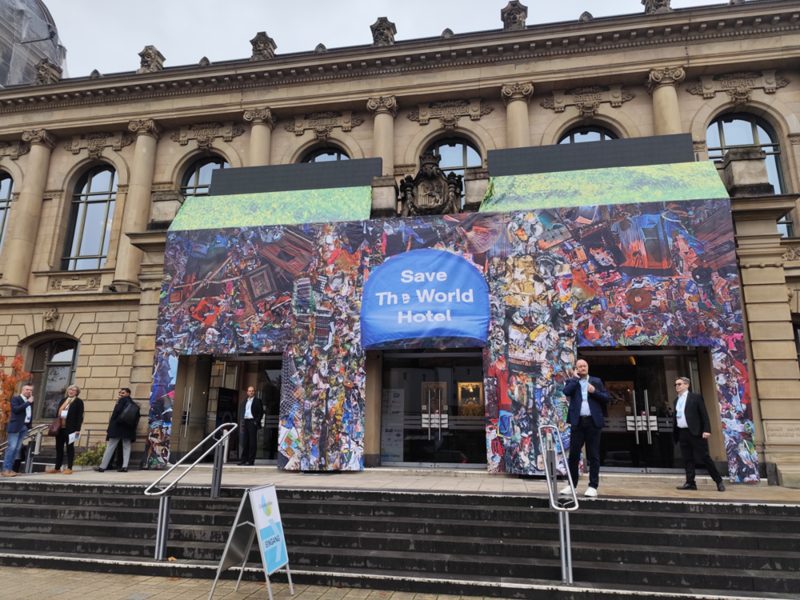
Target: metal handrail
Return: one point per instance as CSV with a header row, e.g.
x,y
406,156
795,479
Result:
x,y
219,447
31,433
562,508
229,427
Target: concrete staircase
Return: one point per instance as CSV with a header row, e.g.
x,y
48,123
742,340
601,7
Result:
x,y
425,542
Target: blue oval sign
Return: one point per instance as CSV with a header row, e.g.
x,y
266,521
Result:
x,y
424,294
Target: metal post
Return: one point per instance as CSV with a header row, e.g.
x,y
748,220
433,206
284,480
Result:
x,y
216,475
28,468
568,549
162,528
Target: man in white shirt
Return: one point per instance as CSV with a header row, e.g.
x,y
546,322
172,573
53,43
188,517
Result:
x,y
691,429
252,412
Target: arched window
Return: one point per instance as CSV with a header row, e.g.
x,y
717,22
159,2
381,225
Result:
x,y
6,190
90,220
743,130
590,133
457,155
52,372
197,178
329,154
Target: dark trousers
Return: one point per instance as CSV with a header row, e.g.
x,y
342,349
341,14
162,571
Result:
x,y
249,440
585,432
61,440
696,444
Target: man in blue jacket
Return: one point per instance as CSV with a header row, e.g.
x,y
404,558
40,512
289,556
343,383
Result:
x,y
18,425
586,396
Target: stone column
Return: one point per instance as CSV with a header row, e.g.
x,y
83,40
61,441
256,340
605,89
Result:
x,y
662,85
384,109
27,210
373,368
516,97
137,203
260,135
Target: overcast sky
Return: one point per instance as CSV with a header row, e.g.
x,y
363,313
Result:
x,y
107,35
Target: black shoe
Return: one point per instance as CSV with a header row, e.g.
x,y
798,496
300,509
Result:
x,y
99,470
242,464
122,470
721,486
688,486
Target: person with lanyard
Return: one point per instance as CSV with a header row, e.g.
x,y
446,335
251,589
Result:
x,y
18,425
691,428
586,396
251,423
71,412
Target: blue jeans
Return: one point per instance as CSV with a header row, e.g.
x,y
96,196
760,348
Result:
x,y
14,445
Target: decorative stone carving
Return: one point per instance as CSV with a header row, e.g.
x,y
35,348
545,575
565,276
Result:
x,y
738,85
263,47
13,150
383,104
794,139
204,62
450,111
320,49
666,76
46,72
206,133
260,116
514,16
145,127
699,146
430,192
152,60
96,142
652,7
95,74
75,284
383,32
585,17
516,91
50,319
40,136
447,33
792,254
323,123
588,99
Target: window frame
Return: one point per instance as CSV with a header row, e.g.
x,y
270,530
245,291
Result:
x,y
434,146
603,131
316,151
193,170
5,205
39,375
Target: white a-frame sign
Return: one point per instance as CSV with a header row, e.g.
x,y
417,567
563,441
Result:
x,y
260,517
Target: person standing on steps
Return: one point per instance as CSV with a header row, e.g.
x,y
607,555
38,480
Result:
x,y
691,428
17,427
251,423
71,413
121,426
586,397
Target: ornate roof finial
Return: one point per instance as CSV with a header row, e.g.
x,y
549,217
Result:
x,y
653,7
514,16
95,74
320,49
263,46
46,72
152,60
586,17
447,33
383,32
204,62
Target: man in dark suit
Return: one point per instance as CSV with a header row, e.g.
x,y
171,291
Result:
x,y
252,414
586,397
18,425
691,429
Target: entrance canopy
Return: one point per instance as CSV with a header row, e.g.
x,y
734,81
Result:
x,y
646,257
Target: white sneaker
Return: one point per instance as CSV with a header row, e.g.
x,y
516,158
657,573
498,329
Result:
x,y
565,491
590,492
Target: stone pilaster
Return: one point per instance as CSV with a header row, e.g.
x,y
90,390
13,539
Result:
x,y
21,240
662,85
263,122
373,367
384,109
516,97
137,203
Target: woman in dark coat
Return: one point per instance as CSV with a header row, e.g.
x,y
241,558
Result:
x,y
71,412
120,430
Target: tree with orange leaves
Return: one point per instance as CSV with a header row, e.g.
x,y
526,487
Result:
x,y
8,387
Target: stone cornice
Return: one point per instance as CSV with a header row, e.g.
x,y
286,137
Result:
x,y
680,27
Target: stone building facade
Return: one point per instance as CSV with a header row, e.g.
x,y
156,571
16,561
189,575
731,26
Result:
x,y
94,169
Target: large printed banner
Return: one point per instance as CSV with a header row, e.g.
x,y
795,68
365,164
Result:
x,y
530,286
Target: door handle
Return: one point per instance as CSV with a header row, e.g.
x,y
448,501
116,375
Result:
x,y
635,416
647,413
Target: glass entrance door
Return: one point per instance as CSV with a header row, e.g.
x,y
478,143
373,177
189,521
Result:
x,y
433,409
